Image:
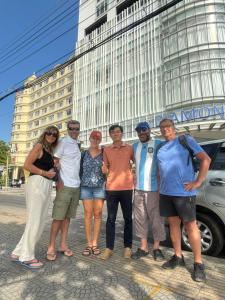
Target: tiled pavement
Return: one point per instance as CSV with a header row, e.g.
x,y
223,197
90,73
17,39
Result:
x,y
89,278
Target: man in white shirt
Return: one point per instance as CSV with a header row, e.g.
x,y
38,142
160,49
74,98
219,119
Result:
x,y
67,195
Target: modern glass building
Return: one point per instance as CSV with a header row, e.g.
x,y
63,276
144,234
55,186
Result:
x,y
171,65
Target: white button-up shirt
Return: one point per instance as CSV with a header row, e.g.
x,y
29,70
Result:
x,y
69,155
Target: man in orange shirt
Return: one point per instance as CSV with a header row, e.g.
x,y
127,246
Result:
x,y
119,189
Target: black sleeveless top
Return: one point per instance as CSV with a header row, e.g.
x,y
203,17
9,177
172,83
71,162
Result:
x,y
45,162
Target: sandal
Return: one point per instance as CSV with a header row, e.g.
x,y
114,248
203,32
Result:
x,y
87,251
51,256
96,250
32,264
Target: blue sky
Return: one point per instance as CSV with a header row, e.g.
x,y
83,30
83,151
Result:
x,y
16,18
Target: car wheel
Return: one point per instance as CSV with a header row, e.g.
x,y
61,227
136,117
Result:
x,y
212,238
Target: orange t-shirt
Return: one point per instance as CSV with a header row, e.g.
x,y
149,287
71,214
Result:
x,y
118,161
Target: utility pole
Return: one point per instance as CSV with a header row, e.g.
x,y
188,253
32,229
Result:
x,y
7,170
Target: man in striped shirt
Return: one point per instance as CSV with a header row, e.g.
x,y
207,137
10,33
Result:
x,y
146,199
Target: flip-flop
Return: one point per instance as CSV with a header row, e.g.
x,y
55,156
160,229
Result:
x,y
51,256
33,264
66,252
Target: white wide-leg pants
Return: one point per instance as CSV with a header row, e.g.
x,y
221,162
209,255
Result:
x,y
38,196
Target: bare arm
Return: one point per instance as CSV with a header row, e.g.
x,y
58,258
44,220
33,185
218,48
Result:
x,y
105,164
34,154
203,170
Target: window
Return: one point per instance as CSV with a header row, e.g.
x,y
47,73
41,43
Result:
x,y
51,117
69,89
101,8
69,100
53,86
60,104
61,82
68,112
54,76
62,71
44,100
52,106
59,126
52,96
59,115
36,123
219,162
70,67
60,93
44,110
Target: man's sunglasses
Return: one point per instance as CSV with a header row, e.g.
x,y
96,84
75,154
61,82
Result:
x,y
74,128
49,133
142,129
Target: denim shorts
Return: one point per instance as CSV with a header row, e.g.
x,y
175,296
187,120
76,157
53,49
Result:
x,y
92,193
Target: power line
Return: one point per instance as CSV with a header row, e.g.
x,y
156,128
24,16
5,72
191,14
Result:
x,y
97,37
35,24
24,43
45,45
111,37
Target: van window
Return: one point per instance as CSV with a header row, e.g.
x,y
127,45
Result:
x,y
219,162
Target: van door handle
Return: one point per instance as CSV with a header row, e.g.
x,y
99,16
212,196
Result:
x,y
217,181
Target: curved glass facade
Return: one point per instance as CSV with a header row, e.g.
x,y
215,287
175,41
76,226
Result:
x,y
175,61
194,53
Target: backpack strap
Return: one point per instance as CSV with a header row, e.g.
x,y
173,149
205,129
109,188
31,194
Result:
x,y
159,146
183,141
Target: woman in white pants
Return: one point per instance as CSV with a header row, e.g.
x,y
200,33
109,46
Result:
x,y
40,164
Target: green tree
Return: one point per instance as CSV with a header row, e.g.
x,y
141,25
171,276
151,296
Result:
x,y
4,148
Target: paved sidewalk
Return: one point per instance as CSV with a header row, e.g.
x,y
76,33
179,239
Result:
x,y
83,278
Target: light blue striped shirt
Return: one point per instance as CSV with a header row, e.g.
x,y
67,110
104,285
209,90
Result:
x,y
146,165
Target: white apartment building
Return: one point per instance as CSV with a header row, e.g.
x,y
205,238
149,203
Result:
x,y
171,65
46,103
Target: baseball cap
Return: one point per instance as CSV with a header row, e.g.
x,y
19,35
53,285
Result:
x,y
95,134
143,125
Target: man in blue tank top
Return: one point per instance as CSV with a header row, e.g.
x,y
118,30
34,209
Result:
x,y
178,186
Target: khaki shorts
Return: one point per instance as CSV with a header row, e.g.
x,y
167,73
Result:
x,y
66,203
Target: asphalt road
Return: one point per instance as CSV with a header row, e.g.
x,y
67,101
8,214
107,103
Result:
x,y
17,201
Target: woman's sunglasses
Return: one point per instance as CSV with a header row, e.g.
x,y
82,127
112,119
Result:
x,y
49,133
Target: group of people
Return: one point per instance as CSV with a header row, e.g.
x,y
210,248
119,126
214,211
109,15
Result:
x,y
150,179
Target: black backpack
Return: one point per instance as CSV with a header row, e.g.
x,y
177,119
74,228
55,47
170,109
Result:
x,y
183,141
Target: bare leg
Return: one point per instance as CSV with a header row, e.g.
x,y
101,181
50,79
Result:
x,y
175,234
88,216
98,205
144,245
194,239
56,224
156,245
64,233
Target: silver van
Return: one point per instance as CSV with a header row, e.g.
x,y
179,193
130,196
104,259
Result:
x,y
211,202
